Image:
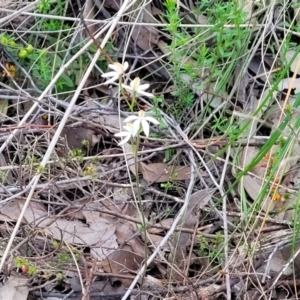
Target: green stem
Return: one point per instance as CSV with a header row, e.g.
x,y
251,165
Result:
x,y
139,197
130,105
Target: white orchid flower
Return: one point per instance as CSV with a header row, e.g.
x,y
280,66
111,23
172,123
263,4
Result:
x,y
118,71
141,121
127,134
136,89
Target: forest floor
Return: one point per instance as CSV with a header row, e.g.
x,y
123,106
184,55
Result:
x,y
149,149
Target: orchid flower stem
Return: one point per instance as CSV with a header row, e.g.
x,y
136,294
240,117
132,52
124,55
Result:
x,y
135,149
122,91
131,105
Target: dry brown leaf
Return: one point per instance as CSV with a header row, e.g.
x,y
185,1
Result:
x,y
125,233
115,4
125,230
245,158
288,169
154,239
253,184
164,223
151,283
161,172
210,95
106,241
276,264
110,122
163,46
248,6
10,211
201,293
35,214
284,84
6,3
194,18
15,288
179,241
145,37
287,254
289,55
122,262
101,285
75,136
259,68
99,234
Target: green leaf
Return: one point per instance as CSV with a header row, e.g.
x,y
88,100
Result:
x,y
67,80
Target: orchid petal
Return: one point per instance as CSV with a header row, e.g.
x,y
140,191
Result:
x,y
136,127
109,74
130,119
146,127
149,95
113,79
121,134
124,141
125,66
143,87
135,83
129,129
127,87
117,67
152,120
141,113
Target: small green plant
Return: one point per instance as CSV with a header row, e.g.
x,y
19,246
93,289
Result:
x,y
25,265
31,159
43,6
32,269
167,185
38,62
56,244
141,228
40,169
226,126
169,153
157,102
3,177
85,143
183,94
195,65
52,25
20,261
64,257
203,246
211,249
76,154
90,171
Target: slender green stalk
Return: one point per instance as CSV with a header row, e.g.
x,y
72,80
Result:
x,y
139,197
